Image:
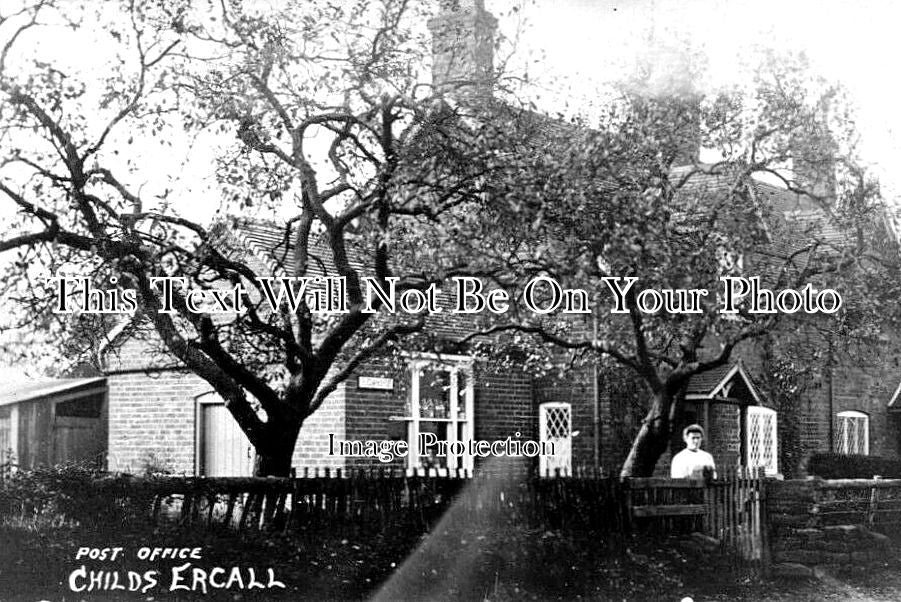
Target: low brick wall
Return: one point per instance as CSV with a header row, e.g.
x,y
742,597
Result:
x,y
798,552
791,505
815,522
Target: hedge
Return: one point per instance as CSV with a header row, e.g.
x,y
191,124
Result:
x,y
852,466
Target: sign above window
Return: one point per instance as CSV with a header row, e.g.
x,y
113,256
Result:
x,y
377,383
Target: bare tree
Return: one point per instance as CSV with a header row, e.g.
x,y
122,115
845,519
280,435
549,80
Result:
x,y
626,206
335,129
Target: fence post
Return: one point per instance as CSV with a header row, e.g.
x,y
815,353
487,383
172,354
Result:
x,y
874,502
626,503
186,503
708,504
765,557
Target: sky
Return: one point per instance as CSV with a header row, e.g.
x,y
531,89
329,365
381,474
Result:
x,y
572,48
855,43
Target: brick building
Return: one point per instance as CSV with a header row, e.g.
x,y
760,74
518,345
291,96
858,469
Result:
x,y
157,415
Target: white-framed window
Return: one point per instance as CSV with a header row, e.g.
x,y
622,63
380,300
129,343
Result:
x,y
439,414
852,432
555,427
762,442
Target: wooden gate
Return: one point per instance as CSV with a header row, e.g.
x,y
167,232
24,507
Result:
x,y
735,516
730,509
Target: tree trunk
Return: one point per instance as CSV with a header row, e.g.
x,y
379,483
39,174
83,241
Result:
x,y
652,439
275,457
270,464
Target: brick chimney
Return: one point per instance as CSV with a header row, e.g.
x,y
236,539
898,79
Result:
x,y
463,48
688,130
667,78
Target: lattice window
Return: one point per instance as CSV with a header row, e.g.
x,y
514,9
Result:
x,y
555,427
558,421
852,433
762,439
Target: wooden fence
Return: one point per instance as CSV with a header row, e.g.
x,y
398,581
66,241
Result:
x,y
730,510
875,503
365,500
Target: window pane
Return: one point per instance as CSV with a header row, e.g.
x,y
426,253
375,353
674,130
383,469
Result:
x,y
434,393
461,394
762,439
852,433
429,458
462,435
440,418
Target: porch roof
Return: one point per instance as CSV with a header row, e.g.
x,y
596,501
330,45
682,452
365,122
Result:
x,y
709,384
894,405
15,392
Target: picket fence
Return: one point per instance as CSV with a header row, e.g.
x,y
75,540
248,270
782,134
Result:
x,y
360,500
737,513
729,510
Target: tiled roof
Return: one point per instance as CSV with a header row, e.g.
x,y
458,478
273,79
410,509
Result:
x,y
805,217
270,243
791,224
894,404
708,384
705,382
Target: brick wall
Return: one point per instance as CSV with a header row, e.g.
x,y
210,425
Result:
x,y
862,384
153,415
369,411
152,421
866,390
723,434
502,407
576,388
312,444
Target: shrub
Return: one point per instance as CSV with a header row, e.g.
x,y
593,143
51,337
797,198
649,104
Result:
x,y
7,463
845,466
74,492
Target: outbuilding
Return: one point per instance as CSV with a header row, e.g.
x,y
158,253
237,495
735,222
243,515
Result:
x,y
53,421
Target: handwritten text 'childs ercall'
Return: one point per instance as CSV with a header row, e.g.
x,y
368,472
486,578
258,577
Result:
x,y
541,295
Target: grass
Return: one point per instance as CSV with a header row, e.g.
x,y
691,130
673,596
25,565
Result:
x,y
485,563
